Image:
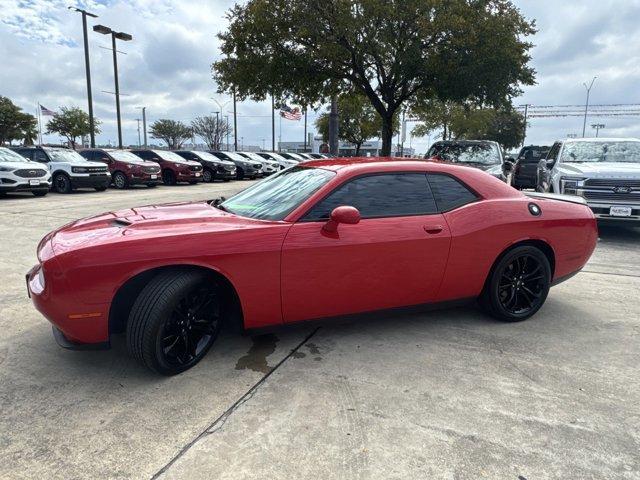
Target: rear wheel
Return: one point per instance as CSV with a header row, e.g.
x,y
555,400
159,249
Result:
x,y
120,180
518,285
168,177
62,183
174,321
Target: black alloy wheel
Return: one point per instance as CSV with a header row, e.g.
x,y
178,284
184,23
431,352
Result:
x,y
174,321
120,180
62,183
207,175
518,285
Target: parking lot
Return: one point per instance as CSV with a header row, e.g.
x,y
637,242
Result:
x,y
449,394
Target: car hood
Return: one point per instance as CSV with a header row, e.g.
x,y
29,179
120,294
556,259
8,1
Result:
x,y
601,169
23,165
148,223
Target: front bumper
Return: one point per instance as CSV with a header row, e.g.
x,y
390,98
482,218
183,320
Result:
x,y
225,174
602,213
190,176
7,185
138,178
91,180
64,342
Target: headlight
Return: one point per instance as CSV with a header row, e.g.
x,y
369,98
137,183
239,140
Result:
x,y
79,169
569,185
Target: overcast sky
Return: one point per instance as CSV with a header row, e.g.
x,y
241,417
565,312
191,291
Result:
x,y
167,65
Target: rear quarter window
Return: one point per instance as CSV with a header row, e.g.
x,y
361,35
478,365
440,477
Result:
x,y
449,192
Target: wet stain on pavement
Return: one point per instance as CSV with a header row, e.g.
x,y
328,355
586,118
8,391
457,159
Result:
x,y
313,348
297,354
256,358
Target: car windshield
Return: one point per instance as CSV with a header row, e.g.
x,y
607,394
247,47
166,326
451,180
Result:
x,y
235,156
591,152
62,155
169,156
7,155
478,153
124,156
277,196
206,156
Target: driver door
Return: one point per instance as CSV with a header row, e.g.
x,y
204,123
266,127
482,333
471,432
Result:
x,y
395,256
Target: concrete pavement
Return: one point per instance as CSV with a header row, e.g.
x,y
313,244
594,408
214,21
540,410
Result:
x,y
448,394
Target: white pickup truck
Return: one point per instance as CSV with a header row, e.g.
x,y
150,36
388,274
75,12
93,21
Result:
x,y
605,171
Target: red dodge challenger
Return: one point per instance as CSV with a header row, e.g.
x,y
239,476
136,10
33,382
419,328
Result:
x,y
325,238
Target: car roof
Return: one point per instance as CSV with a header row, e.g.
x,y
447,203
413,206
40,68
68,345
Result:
x,y
378,163
600,140
462,142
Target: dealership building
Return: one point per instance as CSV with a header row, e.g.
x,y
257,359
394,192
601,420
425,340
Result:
x,y
367,149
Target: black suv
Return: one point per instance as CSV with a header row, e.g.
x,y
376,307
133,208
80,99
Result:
x,y
525,172
214,167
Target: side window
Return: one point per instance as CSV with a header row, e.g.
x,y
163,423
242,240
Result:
x,y
449,193
386,195
142,154
40,156
553,153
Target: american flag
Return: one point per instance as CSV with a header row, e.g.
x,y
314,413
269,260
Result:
x,y
290,113
45,111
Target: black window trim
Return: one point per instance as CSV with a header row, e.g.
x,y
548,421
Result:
x,y
302,218
464,184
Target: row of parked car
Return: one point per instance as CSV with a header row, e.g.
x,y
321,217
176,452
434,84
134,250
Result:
x,y
603,171
38,169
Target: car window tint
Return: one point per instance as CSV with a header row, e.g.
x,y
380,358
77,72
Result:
x,y
40,156
553,153
449,193
388,195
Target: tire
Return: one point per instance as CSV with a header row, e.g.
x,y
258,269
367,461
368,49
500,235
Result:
x,y
62,183
208,176
100,189
239,173
39,193
120,180
518,284
168,177
151,185
158,314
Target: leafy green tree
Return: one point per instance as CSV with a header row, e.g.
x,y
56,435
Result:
x,y
388,50
15,124
358,120
71,123
174,133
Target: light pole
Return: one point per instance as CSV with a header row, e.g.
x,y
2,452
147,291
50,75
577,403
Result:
x,y
86,14
221,106
144,123
586,107
138,120
598,127
124,37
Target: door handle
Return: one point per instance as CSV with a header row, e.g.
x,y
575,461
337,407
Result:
x,y
433,229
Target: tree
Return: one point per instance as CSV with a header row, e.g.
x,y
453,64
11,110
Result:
x,y
211,129
358,120
504,125
71,123
389,50
173,132
15,124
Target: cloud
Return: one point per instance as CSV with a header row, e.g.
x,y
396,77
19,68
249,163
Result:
x,y
167,65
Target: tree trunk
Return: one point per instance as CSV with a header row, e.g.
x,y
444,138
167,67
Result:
x,y
387,135
358,145
333,126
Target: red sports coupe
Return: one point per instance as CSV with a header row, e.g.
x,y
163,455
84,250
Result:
x,y
325,238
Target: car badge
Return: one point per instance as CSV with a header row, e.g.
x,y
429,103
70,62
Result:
x,y
622,189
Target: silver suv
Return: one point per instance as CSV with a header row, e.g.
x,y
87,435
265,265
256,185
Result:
x,y
605,171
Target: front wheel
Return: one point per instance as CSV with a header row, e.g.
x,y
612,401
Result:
x,y
120,180
174,321
168,177
62,183
518,285
207,176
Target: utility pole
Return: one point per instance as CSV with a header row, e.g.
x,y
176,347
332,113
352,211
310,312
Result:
x,y
305,129
524,134
333,126
586,107
144,124
235,123
138,120
273,124
86,14
228,146
120,36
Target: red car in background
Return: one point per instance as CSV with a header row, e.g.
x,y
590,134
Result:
x,y
126,168
175,169
323,239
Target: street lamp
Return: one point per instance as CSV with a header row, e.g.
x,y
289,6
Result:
x,y
126,38
221,106
86,14
597,126
586,107
144,124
